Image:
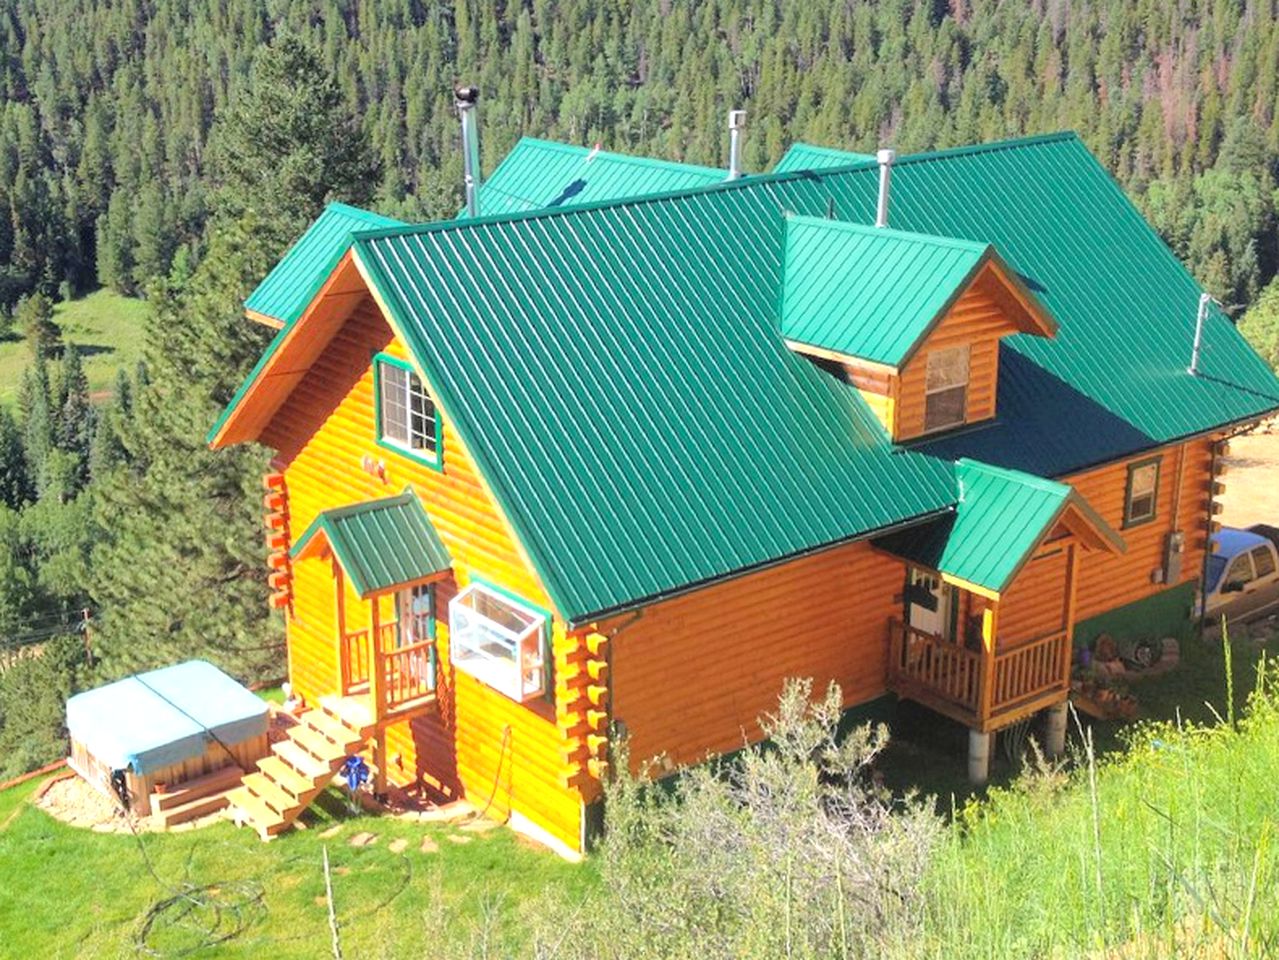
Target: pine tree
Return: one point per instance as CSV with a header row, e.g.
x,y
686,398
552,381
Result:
x,y
34,316
37,420
75,417
16,487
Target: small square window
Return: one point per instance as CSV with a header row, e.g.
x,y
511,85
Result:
x,y
1143,492
946,388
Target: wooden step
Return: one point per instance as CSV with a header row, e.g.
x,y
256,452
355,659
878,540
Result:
x,y
289,779
348,738
273,795
197,807
303,762
320,746
216,782
352,711
266,821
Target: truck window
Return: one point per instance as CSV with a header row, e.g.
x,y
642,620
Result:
x,y
1263,560
1216,567
1239,571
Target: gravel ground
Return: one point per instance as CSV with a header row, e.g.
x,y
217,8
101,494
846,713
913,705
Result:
x,y
75,802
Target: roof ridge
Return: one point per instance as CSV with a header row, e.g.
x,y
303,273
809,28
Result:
x,y
907,236
742,183
631,158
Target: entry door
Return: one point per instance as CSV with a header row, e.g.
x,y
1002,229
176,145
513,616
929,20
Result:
x,y
928,606
417,614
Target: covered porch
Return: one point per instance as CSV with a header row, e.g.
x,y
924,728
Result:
x,y
387,561
988,608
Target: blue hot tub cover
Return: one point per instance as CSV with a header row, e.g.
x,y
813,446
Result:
x,y
165,716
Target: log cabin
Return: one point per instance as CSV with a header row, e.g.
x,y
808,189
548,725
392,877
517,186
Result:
x,y
628,444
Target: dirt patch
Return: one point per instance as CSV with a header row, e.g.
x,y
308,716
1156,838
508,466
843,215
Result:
x,y
76,803
1252,482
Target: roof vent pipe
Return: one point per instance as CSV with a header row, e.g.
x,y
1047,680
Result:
x,y
885,158
1204,300
736,124
467,99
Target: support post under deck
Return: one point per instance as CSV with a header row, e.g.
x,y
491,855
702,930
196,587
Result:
x,y
979,745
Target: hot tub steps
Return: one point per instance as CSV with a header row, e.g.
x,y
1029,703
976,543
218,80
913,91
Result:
x,y
286,783
195,798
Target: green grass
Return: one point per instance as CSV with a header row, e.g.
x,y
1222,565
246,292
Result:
x,y
85,894
106,326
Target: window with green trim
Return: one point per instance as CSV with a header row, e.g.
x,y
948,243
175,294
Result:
x,y
1142,497
406,414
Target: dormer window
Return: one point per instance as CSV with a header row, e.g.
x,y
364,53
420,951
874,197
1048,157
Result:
x,y
946,388
407,420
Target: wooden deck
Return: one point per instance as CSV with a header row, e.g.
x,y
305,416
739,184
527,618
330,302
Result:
x,y
982,691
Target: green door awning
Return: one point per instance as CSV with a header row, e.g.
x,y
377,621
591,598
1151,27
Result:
x,y
381,544
1001,518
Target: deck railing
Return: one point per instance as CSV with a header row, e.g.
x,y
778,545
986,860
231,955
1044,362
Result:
x,y
356,656
945,669
977,685
1029,669
409,673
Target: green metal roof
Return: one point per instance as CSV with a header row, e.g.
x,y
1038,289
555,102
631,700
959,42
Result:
x,y
380,543
285,292
1002,515
1125,306
616,374
806,156
539,174
869,292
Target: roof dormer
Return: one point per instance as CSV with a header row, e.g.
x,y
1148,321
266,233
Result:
x,y
913,321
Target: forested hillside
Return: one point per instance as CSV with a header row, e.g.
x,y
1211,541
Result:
x,y
173,150
104,137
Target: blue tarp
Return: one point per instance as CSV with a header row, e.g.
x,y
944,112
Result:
x,y
164,716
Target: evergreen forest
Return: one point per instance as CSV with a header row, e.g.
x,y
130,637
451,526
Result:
x,y
172,151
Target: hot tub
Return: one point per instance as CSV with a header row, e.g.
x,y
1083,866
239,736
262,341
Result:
x,y
163,728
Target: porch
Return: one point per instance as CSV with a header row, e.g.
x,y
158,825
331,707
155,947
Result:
x,y
989,604
984,692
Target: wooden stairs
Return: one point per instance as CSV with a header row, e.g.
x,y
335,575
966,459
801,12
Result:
x,y
195,798
301,766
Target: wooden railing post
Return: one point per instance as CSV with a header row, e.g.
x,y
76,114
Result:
x,y
989,626
339,614
1072,578
377,660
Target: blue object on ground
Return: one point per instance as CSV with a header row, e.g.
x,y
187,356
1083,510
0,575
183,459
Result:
x,y
162,717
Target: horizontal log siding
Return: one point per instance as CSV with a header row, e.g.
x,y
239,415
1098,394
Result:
x,y
977,320
693,674
323,432
1035,605
1107,581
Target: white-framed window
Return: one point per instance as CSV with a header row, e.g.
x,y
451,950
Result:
x,y
407,418
499,641
946,388
1142,498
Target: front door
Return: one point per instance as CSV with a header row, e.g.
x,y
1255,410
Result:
x,y
416,615
928,604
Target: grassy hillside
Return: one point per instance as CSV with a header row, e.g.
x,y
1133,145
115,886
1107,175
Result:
x,y
106,326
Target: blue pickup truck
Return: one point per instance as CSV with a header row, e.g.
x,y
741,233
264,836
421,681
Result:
x,y
1243,573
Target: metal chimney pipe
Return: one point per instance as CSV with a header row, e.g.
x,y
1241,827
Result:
x,y
467,100
1204,300
885,158
736,124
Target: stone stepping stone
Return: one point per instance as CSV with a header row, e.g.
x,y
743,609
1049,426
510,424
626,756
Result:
x,y
398,846
478,826
455,838
429,845
333,831
363,839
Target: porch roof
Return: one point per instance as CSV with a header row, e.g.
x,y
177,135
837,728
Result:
x,y
381,544
1001,517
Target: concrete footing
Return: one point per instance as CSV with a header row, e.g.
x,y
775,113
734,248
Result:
x,y
979,746
1055,730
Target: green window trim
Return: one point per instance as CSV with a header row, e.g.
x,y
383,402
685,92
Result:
x,y
433,460
1129,519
